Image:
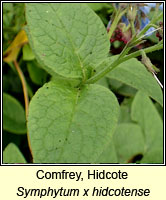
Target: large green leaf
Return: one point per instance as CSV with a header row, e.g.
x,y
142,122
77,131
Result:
x,y
67,38
133,73
128,141
13,115
109,154
12,154
145,114
68,125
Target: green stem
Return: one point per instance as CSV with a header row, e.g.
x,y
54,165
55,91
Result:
x,y
118,61
146,50
113,26
118,16
156,18
102,73
132,27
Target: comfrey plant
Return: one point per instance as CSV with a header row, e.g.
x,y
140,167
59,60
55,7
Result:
x,y
72,119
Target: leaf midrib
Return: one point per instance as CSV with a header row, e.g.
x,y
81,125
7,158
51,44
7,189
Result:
x,y
75,50
70,122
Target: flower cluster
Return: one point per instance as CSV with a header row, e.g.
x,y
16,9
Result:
x,y
118,36
138,12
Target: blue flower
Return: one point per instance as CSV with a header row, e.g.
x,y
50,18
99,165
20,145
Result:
x,y
146,9
125,20
145,21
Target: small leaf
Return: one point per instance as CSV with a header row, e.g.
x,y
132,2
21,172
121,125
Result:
x,y
68,125
27,53
12,154
133,73
145,114
37,75
13,115
64,42
12,51
128,141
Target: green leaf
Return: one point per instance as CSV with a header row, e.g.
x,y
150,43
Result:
x,y
145,114
13,21
12,154
133,73
121,88
13,115
69,39
109,154
126,90
103,82
159,109
7,14
9,78
128,141
68,125
124,114
98,6
27,53
115,84
37,75
125,111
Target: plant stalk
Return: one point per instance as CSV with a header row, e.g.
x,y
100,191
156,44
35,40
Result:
x,y
118,61
25,92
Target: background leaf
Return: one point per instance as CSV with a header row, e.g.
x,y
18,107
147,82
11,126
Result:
x,y
109,154
13,21
98,6
145,114
27,53
128,141
65,42
121,88
12,51
12,154
37,74
13,115
133,73
66,125
124,114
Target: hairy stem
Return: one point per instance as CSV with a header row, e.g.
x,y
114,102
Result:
x,y
146,50
119,60
117,18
